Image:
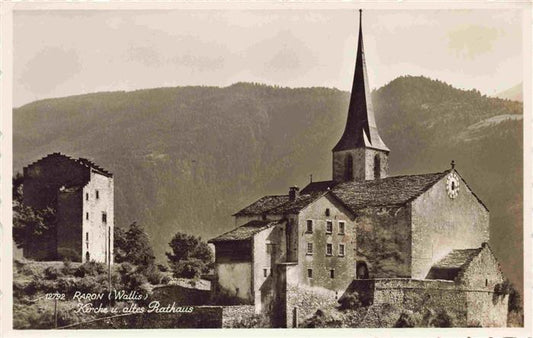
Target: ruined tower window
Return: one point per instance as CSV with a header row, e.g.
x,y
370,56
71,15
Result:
x,y
486,282
341,227
309,248
265,272
97,194
329,249
348,167
87,240
86,215
309,226
329,227
104,217
377,167
309,273
341,249
86,196
331,273
327,211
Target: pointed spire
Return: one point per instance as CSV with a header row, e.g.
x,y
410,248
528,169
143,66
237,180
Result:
x,y
361,129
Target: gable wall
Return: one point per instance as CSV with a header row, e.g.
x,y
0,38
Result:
x,y
321,264
441,224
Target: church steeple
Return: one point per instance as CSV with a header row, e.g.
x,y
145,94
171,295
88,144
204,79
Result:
x,y
361,129
360,154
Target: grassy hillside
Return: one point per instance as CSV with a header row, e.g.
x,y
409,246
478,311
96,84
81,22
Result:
x,y
186,158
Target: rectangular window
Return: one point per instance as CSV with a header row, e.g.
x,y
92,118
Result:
x,y
87,236
341,227
86,196
309,248
265,272
86,215
309,226
309,273
104,217
329,227
331,273
97,194
341,249
329,249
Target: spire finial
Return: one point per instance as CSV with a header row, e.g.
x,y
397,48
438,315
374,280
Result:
x,y
360,17
453,164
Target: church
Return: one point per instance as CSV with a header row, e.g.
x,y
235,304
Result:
x,y
387,237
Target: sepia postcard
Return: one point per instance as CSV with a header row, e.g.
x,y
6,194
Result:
x,y
317,168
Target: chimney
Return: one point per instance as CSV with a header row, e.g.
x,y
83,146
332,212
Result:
x,y
293,193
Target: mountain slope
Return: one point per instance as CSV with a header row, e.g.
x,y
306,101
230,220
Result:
x,y
186,158
513,93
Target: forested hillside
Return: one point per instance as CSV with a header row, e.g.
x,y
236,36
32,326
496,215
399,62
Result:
x,y
186,158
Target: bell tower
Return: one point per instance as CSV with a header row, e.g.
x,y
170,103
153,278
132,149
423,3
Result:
x,y
360,154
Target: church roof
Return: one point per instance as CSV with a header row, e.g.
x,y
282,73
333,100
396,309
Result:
x,y
387,191
452,264
244,232
394,190
361,129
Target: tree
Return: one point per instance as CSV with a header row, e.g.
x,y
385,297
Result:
x,y
190,255
29,224
133,246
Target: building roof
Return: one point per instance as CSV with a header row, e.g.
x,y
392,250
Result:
x,y
394,190
361,129
453,264
244,232
81,161
263,205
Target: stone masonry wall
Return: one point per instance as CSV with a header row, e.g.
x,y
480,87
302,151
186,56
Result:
x,y
69,225
486,307
414,294
307,300
42,180
363,164
384,241
237,315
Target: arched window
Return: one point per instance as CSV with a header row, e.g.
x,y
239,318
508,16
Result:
x,y
348,167
377,167
87,256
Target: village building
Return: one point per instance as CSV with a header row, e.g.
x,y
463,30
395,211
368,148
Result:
x,y
391,236
82,195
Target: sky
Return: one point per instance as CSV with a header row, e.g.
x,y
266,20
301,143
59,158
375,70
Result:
x,y
62,53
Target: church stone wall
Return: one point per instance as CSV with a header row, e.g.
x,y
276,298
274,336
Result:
x,y
363,164
441,224
384,240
